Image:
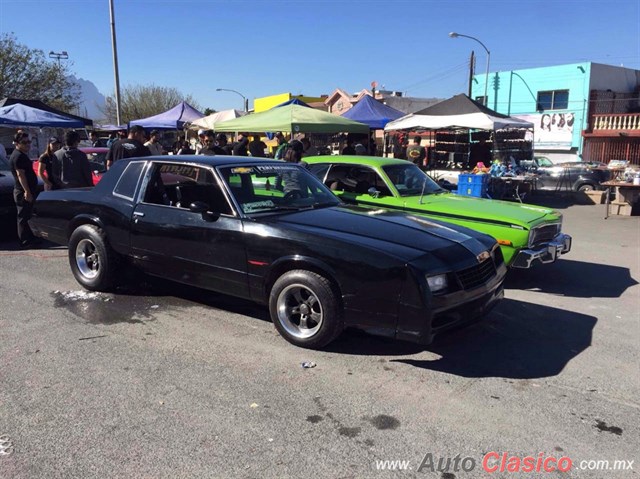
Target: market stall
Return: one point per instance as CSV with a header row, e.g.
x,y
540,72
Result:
x,y
459,126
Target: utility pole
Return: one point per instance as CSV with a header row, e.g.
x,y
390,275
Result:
x,y
115,61
472,68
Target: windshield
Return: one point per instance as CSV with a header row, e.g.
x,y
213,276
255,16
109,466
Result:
x,y
410,180
275,188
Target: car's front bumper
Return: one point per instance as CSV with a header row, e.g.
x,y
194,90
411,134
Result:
x,y
546,253
450,311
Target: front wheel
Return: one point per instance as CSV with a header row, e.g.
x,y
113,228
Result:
x,y
586,187
93,262
305,309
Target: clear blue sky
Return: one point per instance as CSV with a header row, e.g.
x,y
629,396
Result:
x,y
313,46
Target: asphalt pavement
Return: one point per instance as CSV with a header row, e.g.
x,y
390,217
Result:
x,y
163,381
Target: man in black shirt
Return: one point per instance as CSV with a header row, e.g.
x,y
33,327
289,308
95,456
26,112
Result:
x,y
257,147
416,152
25,189
131,147
240,146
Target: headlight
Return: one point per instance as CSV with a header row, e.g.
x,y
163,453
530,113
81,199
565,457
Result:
x,y
437,283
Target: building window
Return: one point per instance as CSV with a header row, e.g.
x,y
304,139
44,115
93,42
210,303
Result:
x,y
553,100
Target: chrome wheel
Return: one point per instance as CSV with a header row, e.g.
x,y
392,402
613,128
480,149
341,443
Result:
x,y
87,259
299,311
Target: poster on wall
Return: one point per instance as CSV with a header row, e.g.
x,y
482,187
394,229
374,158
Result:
x,y
552,131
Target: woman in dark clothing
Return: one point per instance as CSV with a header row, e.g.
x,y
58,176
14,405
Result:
x,y
46,161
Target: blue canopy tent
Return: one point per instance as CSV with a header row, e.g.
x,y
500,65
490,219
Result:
x,y
373,113
293,101
173,119
23,115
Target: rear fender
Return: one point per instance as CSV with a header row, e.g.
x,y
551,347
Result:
x,y
83,219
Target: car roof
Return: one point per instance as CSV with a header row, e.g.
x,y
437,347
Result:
x,y
355,160
218,160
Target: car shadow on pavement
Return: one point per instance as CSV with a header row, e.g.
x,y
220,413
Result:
x,y
596,280
518,340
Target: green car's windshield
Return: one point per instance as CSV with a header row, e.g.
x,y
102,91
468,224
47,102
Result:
x,y
410,180
260,189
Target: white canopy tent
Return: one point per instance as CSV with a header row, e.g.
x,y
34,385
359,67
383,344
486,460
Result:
x,y
472,121
457,113
209,121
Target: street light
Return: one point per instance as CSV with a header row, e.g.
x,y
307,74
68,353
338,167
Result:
x,y
486,83
59,56
244,98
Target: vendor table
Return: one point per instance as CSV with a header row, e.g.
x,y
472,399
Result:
x,y
511,187
627,194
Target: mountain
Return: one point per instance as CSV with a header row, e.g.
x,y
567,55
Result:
x,y
91,100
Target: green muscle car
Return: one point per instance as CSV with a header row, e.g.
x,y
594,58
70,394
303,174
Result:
x,y
527,234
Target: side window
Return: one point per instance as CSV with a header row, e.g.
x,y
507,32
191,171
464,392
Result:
x,y
128,182
179,186
354,179
319,170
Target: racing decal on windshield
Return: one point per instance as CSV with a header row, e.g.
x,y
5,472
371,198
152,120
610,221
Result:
x,y
269,168
258,206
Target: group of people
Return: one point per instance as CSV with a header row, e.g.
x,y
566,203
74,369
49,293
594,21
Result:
x,y
65,166
59,167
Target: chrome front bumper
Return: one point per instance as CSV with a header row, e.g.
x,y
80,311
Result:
x,y
546,253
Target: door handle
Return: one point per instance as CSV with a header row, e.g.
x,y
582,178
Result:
x,y
138,213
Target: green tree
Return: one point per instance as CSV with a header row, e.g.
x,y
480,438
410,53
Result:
x,y
27,74
209,111
142,101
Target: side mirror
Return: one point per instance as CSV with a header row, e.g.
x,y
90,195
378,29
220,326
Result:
x,y
198,207
373,192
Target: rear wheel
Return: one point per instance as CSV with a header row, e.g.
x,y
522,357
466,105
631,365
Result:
x,y
93,262
586,187
305,309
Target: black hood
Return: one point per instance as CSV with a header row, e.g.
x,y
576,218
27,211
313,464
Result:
x,y
403,235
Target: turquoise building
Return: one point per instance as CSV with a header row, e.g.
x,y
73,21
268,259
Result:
x,y
581,111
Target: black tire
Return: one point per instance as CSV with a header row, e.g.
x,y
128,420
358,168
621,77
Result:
x,y
586,187
93,263
306,309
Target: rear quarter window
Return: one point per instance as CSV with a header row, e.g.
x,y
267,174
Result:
x,y
128,182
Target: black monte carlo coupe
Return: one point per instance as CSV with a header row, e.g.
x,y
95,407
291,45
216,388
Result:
x,y
271,232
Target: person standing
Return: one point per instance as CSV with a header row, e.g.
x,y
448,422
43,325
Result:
x,y
71,167
309,149
416,152
25,189
257,147
154,146
283,146
131,147
240,146
202,134
222,146
349,149
95,140
45,163
112,139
